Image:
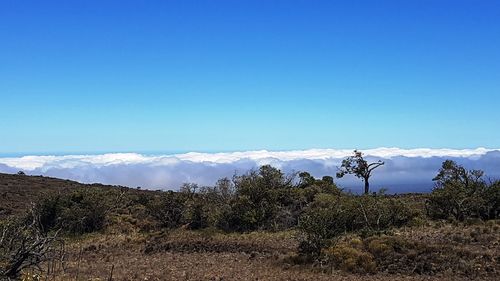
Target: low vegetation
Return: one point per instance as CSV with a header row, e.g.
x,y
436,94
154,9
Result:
x,y
462,194
294,226
328,217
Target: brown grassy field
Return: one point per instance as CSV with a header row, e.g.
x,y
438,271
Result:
x,y
124,251
185,255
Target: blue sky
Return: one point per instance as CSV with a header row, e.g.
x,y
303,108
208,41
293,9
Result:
x,y
99,76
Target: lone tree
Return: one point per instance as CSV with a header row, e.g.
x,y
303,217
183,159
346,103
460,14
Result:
x,y
359,167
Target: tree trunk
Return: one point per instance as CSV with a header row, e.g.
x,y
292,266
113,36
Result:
x,y
367,186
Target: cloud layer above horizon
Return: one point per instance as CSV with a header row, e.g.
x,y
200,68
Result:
x,y
406,170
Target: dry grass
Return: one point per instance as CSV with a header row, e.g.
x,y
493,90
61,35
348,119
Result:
x,y
126,255
211,255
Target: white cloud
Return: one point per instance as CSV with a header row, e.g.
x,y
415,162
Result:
x,y
413,167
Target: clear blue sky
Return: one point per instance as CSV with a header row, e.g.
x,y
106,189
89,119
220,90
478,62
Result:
x,y
94,76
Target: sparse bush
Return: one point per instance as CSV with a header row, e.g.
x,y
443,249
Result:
x,y
350,259
397,255
23,245
381,246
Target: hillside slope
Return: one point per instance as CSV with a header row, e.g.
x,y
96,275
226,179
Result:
x,y
17,192
133,245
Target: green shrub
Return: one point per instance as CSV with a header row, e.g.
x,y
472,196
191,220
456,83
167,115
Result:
x,y
50,209
460,194
168,209
329,216
81,211
214,203
262,199
244,215
195,213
